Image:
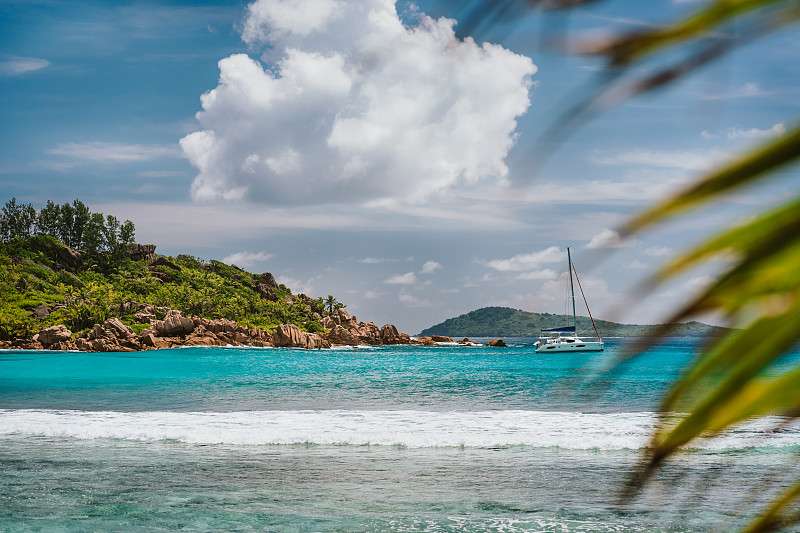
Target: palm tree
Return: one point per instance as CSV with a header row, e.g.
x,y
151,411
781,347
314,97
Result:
x,y
759,292
330,303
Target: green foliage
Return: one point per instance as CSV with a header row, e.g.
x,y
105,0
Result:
x,y
73,224
330,303
507,322
29,278
16,220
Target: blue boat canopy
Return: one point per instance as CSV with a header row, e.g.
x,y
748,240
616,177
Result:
x,y
565,328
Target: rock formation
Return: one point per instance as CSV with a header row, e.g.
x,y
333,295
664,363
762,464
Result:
x,y
342,337
177,330
142,252
173,325
267,287
289,335
69,259
53,335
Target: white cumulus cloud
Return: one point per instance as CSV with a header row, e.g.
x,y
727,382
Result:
x,y
351,105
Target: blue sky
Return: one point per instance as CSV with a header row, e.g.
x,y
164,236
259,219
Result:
x,y
361,149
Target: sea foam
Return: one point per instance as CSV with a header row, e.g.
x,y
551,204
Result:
x,y
412,429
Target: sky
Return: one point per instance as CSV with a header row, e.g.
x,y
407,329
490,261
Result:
x,y
392,154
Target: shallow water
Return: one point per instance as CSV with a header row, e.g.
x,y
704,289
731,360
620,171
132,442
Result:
x,y
444,438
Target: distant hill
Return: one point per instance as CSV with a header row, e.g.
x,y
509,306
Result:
x,y
507,322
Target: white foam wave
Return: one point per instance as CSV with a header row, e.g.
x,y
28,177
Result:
x,y
413,429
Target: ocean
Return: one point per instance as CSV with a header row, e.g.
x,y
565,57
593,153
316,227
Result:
x,y
394,438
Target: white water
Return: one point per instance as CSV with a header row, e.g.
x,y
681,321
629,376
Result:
x,y
412,429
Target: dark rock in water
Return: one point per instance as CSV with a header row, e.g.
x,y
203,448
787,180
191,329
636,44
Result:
x,y
368,333
498,343
441,338
390,335
341,336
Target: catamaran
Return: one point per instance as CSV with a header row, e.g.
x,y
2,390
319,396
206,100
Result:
x,y
565,338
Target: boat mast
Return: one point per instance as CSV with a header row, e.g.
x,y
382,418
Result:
x,y
572,292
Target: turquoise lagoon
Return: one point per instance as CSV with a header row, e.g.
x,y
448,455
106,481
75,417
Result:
x,y
431,439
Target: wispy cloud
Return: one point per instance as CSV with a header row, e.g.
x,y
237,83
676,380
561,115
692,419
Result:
x,y
527,262
735,133
162,173
412,301
545,273
636,187
658,251
22,65
608,238
247,259
693,160
748,90
104,152
376,260
755,133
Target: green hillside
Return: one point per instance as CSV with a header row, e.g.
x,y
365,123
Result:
x,y
67,265
37,290
507,322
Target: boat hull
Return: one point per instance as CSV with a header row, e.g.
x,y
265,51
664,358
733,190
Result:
x,y
589,346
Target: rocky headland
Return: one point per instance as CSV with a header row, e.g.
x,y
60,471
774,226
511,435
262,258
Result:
x,y
176,330
54,297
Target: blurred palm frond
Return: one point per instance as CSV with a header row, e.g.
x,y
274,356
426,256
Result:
x,y
731,380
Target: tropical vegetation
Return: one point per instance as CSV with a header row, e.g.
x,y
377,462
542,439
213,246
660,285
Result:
x,y
33,274
72,223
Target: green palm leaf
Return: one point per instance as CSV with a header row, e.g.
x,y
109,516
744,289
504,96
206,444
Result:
x,y
732,379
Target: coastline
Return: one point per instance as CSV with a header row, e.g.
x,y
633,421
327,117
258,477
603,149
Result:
x,y
177,331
